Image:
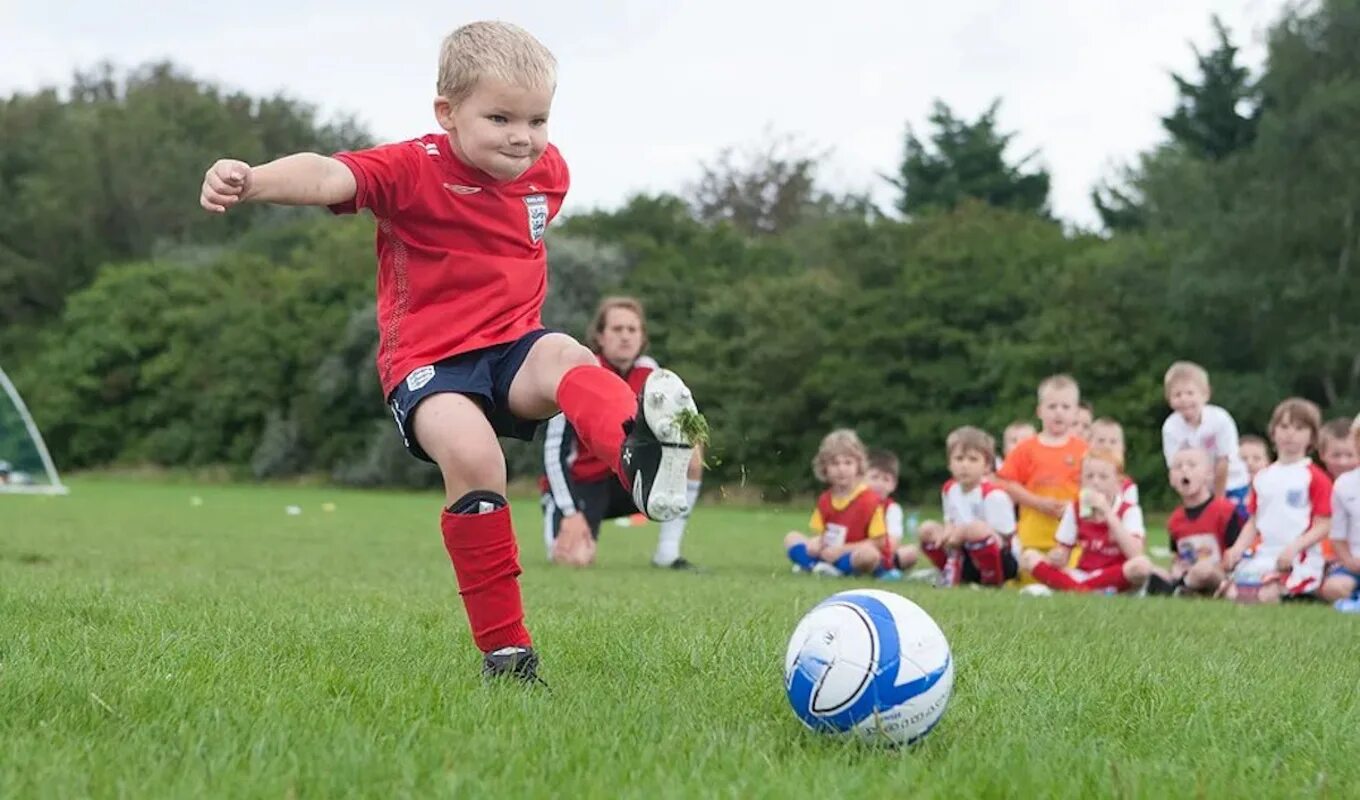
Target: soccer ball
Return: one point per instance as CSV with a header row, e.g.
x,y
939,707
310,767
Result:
x,y
869,664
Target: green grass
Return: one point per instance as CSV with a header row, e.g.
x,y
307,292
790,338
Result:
x,y
154,648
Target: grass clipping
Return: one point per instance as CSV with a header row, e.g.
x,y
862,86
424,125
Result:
x,y
692,426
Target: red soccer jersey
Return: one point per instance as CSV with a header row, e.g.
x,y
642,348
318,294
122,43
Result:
x,y
1203,531
586,468
850,520
1098,548
461,262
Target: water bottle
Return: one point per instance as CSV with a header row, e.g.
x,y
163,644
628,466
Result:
x,y
913,523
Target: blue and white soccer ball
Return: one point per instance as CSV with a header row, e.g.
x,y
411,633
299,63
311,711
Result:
x,y
869,664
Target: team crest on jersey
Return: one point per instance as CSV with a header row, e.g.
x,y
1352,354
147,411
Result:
x,y
1296,498
419,377
537,205
1210,443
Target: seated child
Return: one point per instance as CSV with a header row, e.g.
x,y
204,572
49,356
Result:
x,y
1108,529
1255,454
974,543
1107,434
1278,554
1202,527
1014,434
882,478
1344,578
850,534
1086,414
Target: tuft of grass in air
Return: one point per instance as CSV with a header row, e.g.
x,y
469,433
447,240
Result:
x,y
693,426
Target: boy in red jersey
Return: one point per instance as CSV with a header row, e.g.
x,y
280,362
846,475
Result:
x,y
974,543
851,536
1202,527
1279,553
1108,529
462,273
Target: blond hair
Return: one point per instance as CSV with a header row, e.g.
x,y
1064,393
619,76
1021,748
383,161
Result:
x,y
840,442
1108,456
492,50
606,305
1058,383
969,438
1185,372
1300,411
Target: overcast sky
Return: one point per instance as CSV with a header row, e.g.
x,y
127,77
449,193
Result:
x,y
646,92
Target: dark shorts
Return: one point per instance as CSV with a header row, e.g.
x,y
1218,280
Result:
x,y
1009,567
599,501
484,375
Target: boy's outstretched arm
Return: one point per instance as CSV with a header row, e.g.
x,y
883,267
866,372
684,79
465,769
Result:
x,y
302,179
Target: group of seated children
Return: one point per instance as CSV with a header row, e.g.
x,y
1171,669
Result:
x,y
1247,527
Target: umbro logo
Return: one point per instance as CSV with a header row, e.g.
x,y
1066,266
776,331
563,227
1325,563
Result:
x,y
458,188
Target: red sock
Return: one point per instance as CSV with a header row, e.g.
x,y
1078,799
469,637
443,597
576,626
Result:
x,y
486,562
937,555
1055,577
1108,578
597,402
986,556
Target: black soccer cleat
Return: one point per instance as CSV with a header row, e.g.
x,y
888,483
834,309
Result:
x,y
520,663
656,451
680,563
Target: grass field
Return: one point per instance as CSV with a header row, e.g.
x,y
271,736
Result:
x,y
152,647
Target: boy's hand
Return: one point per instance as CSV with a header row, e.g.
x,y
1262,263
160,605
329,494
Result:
x,y
574,545
1285,561
1230,558
226,183
1053,507
1058,557
1101,507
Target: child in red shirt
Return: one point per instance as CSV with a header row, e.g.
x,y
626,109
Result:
x,y
462,274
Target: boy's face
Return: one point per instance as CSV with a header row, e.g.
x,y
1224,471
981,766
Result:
x,y
1187,398
967,466
883,483
1254,455
1101,476
499,128
1339,455
621,339
1057,410
1291,439
1190,474
1014,435
1083,424
842,472
1107,437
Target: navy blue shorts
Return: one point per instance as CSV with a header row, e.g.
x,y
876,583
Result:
x,y
484,375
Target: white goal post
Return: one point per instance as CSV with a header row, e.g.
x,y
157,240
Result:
x,y
29,471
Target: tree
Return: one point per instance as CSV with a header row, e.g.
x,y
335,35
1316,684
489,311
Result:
x,y
111,173
1218,115
767,189
966,161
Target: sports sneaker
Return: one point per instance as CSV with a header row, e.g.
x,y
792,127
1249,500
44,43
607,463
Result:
x,y
520,663
890,575
656,451
826,570
1349,605
1036,590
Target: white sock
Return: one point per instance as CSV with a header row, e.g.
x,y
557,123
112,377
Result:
x,y
668,542
548,506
